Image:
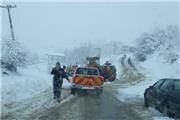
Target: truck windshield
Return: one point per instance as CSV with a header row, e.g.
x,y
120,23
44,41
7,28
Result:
x,y
87,71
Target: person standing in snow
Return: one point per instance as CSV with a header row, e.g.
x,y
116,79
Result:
x,y
123,59
129,61
59,74
65,73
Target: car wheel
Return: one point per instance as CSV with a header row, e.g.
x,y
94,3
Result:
x,y
146,103
99,91
165,109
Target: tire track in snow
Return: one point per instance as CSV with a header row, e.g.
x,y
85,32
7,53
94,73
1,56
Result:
x,y
26,108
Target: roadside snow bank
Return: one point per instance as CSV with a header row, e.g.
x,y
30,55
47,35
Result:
x,y
154,69
162,118
156,115
25,84
134,91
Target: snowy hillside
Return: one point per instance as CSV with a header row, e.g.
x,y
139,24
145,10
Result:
x,y
154,68
163,63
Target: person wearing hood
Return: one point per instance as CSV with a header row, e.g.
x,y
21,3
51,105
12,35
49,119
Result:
x,y
58,75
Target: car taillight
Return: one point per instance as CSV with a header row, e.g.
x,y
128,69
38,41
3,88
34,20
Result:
x,y
75,77
101,78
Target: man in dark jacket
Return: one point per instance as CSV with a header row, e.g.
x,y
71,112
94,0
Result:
x,y
59,74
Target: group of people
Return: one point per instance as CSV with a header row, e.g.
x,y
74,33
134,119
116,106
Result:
x,y
123,58
58,73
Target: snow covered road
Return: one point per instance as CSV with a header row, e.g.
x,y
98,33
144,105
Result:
x,y
121,100
86,106
89,106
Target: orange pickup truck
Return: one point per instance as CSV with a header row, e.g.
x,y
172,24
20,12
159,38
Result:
x,y
87,78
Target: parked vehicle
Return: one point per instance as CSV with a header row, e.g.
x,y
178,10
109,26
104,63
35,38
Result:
x,y
164,95
71,69
87,78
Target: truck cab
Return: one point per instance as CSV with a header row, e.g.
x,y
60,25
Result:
x,y
87,78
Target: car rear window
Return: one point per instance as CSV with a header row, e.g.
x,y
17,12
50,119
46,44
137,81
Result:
x,y
87,71
177,84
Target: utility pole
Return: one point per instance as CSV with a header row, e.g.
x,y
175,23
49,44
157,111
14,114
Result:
x,y
10,19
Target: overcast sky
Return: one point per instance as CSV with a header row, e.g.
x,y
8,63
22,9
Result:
x,y
43,27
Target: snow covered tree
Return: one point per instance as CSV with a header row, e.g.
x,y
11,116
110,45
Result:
x,y
170,47
162,40
145,46
13,55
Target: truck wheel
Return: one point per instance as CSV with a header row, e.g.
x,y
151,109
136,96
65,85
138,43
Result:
x,y
165,110
99,91
73,91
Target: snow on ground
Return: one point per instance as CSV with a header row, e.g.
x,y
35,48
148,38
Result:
x,y
134,91
29,91
154,69
162,118
156,114
27,82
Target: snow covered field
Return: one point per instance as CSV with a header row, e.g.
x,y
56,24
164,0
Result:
x,y
29,91
26,83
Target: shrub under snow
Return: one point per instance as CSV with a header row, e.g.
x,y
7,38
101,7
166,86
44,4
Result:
x,y
13,55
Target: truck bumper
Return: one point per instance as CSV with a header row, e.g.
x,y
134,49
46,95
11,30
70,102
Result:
x,y
85,87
